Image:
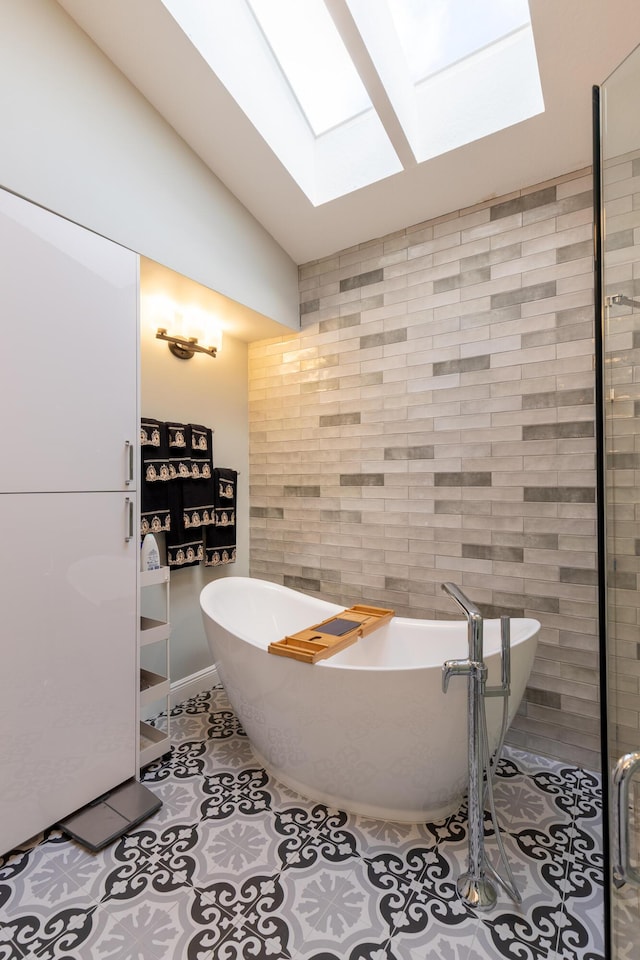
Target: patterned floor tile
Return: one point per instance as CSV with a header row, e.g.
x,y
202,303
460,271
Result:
x,y
330,904
187,759
545,799
626,910
376,836
56,936
511,801
236,848
530,763
46,878
514,938
147,929
237,865
416,890
286,796
319,834
59,872
235,920
149,862
203,704
181,802
540,932
188,727
229,793
365,950
222,723
439,942
588,816
232,754
527,876
201,757
587,913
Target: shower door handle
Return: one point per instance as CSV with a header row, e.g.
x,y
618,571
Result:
x,y
626,767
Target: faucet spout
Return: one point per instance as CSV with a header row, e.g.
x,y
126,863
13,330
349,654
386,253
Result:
x,y
474,619
467,606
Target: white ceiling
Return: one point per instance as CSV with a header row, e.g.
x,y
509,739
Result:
x,y
578,42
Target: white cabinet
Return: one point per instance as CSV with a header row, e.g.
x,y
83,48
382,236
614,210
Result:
x,y
69,358
69,518
154,740
68,655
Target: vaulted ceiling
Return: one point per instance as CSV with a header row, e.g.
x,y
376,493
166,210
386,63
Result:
x,y
578,44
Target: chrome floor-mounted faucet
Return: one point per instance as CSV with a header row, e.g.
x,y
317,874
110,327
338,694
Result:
x,y
474,887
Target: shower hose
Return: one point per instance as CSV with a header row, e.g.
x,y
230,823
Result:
x,y
490,765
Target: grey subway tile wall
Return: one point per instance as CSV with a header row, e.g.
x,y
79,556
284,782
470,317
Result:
x,y
438,401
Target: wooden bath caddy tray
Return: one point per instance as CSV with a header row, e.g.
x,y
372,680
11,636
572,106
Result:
x,y
331,635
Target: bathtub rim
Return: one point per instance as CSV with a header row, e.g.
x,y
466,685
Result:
x,y
530,626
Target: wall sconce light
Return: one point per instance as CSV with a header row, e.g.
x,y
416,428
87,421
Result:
x,y
196,332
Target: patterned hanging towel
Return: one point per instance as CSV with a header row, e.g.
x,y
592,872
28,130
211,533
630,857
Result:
x,y
198,492
184,547
154,492
179,450
220,540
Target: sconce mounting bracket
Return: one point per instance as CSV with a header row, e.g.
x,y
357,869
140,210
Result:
x,y
184,349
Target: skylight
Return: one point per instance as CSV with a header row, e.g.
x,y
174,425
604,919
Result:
x,y
314,59
348,92
438,33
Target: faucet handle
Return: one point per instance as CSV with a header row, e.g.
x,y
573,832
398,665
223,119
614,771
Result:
x,y
462,668
454,668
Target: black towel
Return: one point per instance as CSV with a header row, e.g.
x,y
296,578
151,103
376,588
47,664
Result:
x,y
184,496
179,450
184,547
220,540
154,493
198,492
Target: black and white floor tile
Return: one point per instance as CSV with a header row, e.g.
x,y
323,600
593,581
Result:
x,y
235,866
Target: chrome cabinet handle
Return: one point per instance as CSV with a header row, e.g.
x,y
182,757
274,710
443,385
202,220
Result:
x,y
623,871
129,520
129,454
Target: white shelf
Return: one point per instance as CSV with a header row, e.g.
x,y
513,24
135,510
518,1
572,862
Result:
x,y
153,743
150,577
155,685
151,631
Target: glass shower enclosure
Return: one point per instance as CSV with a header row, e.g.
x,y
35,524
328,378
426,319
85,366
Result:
x,y
617,282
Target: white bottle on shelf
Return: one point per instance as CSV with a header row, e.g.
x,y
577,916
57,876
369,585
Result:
x,y
150,555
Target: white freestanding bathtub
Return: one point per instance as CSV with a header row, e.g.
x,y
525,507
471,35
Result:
x,y
369,729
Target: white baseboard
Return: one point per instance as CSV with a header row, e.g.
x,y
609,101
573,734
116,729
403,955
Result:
x,y
192,685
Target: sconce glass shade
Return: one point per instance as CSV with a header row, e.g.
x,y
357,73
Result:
x,y
205,328
193,331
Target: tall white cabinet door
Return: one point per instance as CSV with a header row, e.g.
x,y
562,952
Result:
x,y
68,660
68,363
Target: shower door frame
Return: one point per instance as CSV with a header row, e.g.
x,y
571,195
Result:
x,y
616,783
601,501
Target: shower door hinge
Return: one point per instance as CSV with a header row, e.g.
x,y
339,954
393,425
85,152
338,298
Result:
x,y
620,300
612,300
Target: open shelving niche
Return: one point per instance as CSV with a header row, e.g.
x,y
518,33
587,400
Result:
x,y
155,684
